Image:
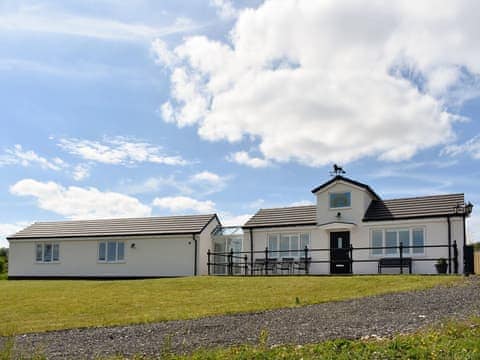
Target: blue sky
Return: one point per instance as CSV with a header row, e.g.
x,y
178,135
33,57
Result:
x,y
138,108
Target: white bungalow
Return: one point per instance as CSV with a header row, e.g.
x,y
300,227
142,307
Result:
x,y
349,230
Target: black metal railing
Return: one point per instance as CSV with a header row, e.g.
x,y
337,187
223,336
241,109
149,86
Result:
x,y
262,262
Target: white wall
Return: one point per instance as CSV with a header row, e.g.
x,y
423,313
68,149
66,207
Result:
x,y
205,242
152,256
435,233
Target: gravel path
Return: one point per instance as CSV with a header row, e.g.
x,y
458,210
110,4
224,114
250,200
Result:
x,y
382,315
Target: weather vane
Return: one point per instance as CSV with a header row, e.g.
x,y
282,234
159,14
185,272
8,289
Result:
x,y
337,170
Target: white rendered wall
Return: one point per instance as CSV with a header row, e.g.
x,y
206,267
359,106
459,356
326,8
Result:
x,y
152,256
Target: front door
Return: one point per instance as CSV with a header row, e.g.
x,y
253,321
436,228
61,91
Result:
x,y
340,252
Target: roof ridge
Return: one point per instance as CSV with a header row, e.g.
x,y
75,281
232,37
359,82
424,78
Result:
x,y
420,197
288,207
120,218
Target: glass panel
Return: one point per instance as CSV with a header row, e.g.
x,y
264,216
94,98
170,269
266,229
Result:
x,y
272,245
404,238
56,252
418,240
284,245
340,243
338,200
47,255
111,252
101,251
390,240
304,240
120,250
294,245
377,241
38,252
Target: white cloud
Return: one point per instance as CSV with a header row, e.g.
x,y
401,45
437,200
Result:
x,y
80,203
473,228
81,172
200,184
243,158
182,204
225,9
18,156
228,219
119,151
316,83
471,147
302,203
10,229
46,20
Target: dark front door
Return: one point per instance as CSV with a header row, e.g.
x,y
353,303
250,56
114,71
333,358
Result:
x,y
340,252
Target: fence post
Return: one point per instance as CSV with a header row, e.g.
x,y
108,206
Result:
x,y
455,256
351,259
306,259
266,260
230,262
245,258
208,261
401,257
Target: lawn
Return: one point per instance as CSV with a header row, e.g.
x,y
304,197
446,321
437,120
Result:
x,y
32,306
455,340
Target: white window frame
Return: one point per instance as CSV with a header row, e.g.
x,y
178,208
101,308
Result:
x,y
407,252
43,245
295,253
338,193
116,261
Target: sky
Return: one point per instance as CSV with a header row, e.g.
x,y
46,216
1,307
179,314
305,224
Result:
x,y
154,108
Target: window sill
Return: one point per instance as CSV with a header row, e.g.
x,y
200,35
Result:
x,y
47,262
111,262
340,208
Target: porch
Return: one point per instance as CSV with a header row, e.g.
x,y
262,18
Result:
x,y
329,261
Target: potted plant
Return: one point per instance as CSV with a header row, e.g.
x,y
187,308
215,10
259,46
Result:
x,y
441,266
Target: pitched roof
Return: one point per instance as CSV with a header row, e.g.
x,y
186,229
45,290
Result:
x,y
169,225
285,216
416,207
345,179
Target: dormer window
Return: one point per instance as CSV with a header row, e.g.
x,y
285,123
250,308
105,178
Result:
x,y
340,200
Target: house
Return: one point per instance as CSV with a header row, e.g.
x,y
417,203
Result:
x,y
116,248
350,229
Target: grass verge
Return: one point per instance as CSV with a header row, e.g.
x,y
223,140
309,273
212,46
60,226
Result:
x,y
455,340
35,306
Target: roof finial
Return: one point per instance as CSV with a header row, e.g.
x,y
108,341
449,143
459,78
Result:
x,y
337,170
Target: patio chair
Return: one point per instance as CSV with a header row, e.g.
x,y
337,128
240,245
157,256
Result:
x,y
286,265
258,265
303,265
271,266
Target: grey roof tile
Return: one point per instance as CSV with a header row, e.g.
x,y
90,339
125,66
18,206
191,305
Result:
x,y
416,207
169,225
295,215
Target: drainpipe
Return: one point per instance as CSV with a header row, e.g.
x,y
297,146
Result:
x,y
449,245
251,251
195,256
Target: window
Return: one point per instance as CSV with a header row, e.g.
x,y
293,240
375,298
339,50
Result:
x,y
47,252
393,238
340,200
418,240
290,245
111,251
377,241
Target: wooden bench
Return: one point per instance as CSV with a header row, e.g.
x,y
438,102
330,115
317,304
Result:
x,y
395,263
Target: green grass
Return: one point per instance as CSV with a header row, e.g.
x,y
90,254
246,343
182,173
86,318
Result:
x,y
455,340
34,306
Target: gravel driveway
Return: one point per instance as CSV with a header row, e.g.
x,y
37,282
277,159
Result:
x,y
382,315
